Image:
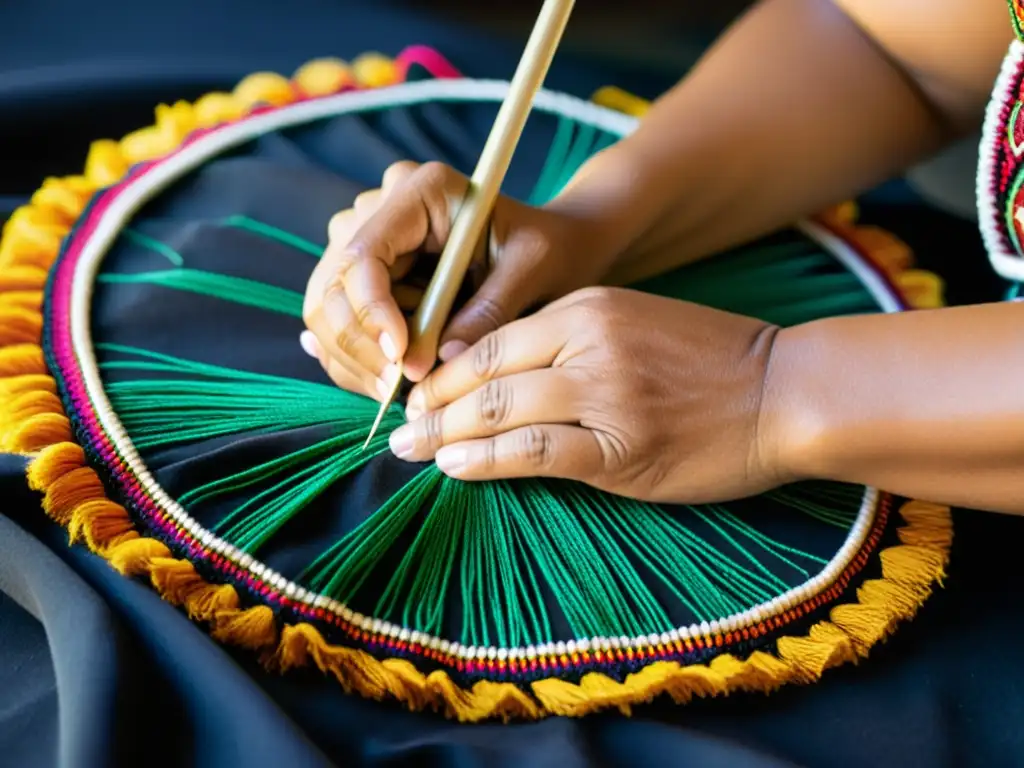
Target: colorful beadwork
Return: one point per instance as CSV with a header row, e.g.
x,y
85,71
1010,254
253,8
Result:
x,y
1000,167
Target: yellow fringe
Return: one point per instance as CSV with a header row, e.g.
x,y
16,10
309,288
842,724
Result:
x,y
619,100
32,422
100,524
324,76
920,289
136,558
253,628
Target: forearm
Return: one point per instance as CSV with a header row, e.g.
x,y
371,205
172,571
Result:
x,y
794,109
924,404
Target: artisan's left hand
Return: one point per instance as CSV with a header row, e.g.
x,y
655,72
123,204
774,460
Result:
x,y
638,395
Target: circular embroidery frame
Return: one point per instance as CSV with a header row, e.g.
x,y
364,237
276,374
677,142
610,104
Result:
x,y
152,535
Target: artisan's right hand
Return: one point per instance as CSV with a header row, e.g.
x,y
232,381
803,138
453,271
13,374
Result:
x,y
355,296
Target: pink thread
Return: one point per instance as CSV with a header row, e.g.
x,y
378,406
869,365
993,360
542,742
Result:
x,y
428,58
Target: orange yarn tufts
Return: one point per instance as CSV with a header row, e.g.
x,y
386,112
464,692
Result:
x,y
758,672
105,164
27,300
175,579
32,419
101,524
611,97
175,121
31,403
323,76
211,601
264,88
37,432
372,70
31,237
931,525
292,649
134,558
840,215
64,198
52,463
885,249
216,108
69,490
19,325
923,290
22,360
824,647
22,278
252,628
30,382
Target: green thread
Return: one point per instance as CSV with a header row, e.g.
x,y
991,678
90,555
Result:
x,y
145,241
501,546
238,290
544,189
496,563
274,233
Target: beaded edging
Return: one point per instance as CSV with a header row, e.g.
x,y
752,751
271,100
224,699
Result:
x,y
1000,181
1001,172
34,421
73,359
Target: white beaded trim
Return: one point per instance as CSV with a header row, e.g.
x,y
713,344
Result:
x,y
1004,258
139,191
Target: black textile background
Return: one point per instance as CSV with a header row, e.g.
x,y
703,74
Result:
x,y
295,179
96,671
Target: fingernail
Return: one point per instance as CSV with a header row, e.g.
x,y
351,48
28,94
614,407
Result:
x,y
387,346
386,383
450,349
450,459
390,376
411,413
308,342
401,441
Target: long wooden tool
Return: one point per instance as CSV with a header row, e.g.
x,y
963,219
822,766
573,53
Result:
x,y
470,224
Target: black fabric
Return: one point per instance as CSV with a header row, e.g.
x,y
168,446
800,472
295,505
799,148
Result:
x,y
96,671
295,179
73,72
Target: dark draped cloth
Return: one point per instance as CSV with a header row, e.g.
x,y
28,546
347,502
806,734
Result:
x,y
96,671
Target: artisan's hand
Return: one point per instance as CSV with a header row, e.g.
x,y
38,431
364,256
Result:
x,y
634,394
354,299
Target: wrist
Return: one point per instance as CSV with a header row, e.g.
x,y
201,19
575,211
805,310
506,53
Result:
x,y
793,423
605,205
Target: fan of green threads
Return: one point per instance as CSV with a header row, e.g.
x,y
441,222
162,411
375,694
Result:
x,y
498,542
503,563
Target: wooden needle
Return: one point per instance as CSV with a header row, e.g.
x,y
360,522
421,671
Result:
x,y
470,224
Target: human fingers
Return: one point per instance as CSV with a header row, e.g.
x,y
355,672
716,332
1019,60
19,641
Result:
x,y
548,396
357,302
515,282
527,344
326,311
342,371
414,215
538,450
368,275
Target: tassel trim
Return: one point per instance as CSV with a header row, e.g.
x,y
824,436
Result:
x,y
32,421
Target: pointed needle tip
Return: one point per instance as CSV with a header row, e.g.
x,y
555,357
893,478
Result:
x,y
384,409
